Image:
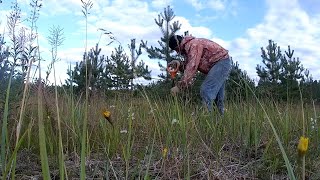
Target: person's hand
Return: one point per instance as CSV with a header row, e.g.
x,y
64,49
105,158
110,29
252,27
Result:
x,y
174,64
175,90
173,68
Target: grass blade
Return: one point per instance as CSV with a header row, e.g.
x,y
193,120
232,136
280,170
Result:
x,y
42,137
42,134
13,158
61,154
284,155
5,126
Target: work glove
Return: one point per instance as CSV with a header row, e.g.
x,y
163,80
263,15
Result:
x,y
175,90
174,64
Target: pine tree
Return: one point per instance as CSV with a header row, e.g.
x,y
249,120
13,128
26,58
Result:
x,y
168,28
120,68
292,69
96,69
271,58
140,69
97,77
290,75
269,73
282,74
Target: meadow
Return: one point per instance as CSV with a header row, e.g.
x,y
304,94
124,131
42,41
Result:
x,y
147,137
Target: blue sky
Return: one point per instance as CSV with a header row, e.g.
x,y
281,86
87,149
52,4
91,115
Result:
x,y
243,27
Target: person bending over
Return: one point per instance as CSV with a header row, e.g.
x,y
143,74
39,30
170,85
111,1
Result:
x,y
207,57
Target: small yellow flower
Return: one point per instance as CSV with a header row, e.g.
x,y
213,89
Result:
x,y
107,114
164,152
303,145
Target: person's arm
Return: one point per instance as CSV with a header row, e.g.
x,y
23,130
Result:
x,y
194,56
182,66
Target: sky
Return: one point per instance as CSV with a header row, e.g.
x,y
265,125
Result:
x,y
242,27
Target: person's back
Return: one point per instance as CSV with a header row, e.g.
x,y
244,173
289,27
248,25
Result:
x,y
210,51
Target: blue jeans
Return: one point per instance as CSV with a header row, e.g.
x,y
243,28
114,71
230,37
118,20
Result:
x,y
212,88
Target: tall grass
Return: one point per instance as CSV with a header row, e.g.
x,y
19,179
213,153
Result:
x,y
12,21
86,6
56,39
42,134
30,55
303,168
4,132
197,144
274,131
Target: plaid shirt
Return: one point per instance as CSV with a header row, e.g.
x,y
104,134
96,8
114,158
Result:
x,y
200,55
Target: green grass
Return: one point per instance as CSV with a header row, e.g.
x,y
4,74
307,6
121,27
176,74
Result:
x,y
199,144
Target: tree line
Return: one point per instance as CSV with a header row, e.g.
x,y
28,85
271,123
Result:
x,y
114,72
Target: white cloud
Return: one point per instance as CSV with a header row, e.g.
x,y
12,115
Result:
x,y
126,19
217,5
212,10
287,24
197,31
196,4
71,55
160,4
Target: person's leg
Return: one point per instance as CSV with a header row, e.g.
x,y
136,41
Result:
x,y
214,82
220,99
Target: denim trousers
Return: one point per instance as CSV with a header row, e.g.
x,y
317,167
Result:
x,y
213,87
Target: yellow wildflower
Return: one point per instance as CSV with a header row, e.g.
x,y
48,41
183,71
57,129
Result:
x,y
164,152
107,114
303,145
